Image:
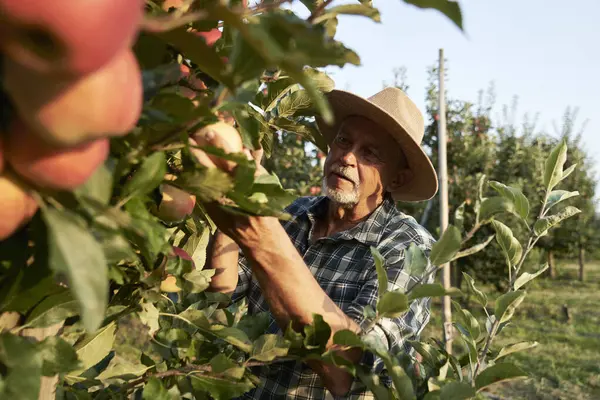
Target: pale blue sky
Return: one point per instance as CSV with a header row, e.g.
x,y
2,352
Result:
x,y
547,52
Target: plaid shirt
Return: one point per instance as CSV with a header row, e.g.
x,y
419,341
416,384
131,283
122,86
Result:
x,y
343,266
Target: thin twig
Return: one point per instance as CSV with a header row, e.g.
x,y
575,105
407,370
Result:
x,y
318,10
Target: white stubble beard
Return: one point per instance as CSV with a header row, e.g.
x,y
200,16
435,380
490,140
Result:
x,y
345,198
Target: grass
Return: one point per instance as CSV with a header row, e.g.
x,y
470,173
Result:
x,y
566,363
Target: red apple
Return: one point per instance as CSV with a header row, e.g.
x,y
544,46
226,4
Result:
x,y
70,112
47,166
175,205
67,36
17,206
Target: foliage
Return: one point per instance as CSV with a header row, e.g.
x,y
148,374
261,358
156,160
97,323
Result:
x,y
96,255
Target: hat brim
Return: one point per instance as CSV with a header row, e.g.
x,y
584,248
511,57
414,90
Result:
x,y
424,183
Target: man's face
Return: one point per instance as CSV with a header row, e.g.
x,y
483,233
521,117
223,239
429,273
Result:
x,y
362,162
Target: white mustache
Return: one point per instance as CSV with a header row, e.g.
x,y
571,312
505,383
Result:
x,y
345,172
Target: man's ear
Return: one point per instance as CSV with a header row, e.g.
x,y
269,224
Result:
x,y
402,178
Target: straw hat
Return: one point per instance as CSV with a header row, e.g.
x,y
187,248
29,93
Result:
x,y
397,114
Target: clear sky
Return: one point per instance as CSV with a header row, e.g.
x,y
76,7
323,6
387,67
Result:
x,y
546,52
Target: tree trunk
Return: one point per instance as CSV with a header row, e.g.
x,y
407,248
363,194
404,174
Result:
x,y
551,266
581,264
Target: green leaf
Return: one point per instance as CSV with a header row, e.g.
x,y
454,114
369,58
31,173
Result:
x,y
276,91
498,373
268,347
474,249
21,369
207,184
246,63
510,245
382,279
392,304
58,356
314,94
515,347
120,370
543,225
305,129
430,354
507,304
495,205
373,383
444,249
149,317
197,281
402,382
457,391
349,9
221,364
526,277
323,82
233,336
85,269
467,320
317,334
431,290
254,325
295,338
515,196
196,50
95,347
553,168
154,390
53,309
98,186
295,102
415,261
449,8
348,338
220,389
480,297
556,196
568,171
148,176
249,127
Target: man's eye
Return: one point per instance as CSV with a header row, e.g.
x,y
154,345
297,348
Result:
x,y
342,140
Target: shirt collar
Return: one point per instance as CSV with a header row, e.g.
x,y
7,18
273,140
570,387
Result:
x,y
368,231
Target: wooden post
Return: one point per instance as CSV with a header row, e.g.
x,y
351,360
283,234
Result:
x,y
443,178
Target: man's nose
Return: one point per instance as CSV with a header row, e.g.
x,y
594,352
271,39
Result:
x,y
348,159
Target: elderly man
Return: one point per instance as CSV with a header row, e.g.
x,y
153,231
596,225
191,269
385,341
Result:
x,y
319,262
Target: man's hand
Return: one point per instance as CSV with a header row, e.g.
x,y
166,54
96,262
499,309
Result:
x,y
227,138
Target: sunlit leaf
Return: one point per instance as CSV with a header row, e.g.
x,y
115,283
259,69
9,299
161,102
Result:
x,y
349,9
495,205
95,347
444,249
525,277
415,261
392,304
268,347
480,297
515,195
513,348
553,168
510,245
507,304
498,373
431,290
543,225
556,196
474,249
382,279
